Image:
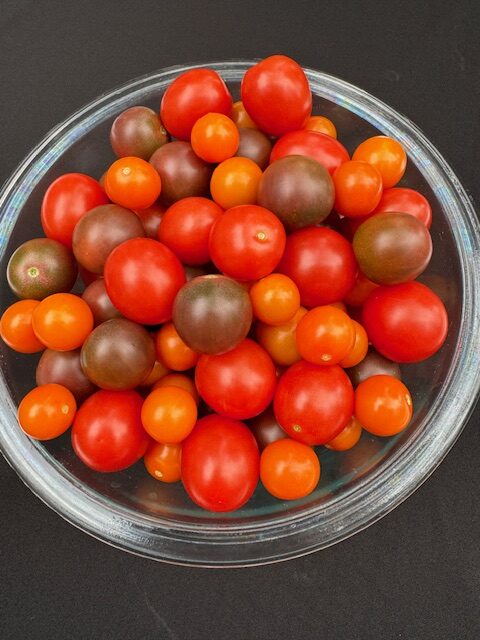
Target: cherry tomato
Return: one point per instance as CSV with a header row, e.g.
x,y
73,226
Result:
x,y
321,124
313,403
383,405
169,414
275,299
359,349
406,201
172,350
361,290
325,335
405,322
372,365
107,433
279,341
142,278
16,327
220,464
348,436
266,429
339,305
158,372
62,321
240,116
276,95
247,242
151,218
47,411
238,384
132,183
178,380
185,228
358,188
321,147
64,203
164,461
235,182
215,137
386,155
321,263
289,470
348,226
137,131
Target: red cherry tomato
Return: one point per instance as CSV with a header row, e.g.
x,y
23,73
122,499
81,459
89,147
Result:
x,y
403,200
362,289
142,278
319,146
220,464
405,322
66,200
276,94
238,384
191,96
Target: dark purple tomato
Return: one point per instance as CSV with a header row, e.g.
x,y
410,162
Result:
x,y
63,367
96,296
266,429
40,267
118,354
151,218
373,365
139,132
298,189
392,248
182,172
254,145
212,314
102,229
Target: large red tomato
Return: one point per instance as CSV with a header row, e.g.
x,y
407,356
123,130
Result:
x,y
321,263
220,464
313,403
238,384
142,278
323,148
276,95
405,322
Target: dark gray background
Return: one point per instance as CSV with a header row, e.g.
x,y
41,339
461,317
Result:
x,y
415,574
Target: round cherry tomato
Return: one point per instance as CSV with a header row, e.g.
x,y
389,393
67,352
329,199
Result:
x,y
348,436
185,228
373,365
215,137
405,322
383,405
172,350
313,403
358,188
47,411
151,218
237,384
361,290
325,335
289,470
280,341
65,202
164,461
386,155
178,380
63,367
62,322
360,347
142,278
254,145
107,434
169,414
190,96
321,263
96,296
404,200
138,132
321,147
266,429
247,242
275,299
276,95
16,327
159,371
235,182
220,464
133,183
320,124
240,116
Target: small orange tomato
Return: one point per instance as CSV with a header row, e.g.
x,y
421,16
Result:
x,y
348,436
385,154
289,470
172,350
47,411
280,341
133,183
361,290
179,380
215,137
358,188
383,405
360,347
235,181
62,321
16,327
163,461
275,299
325,335
159,371
169,414
241,117
322,125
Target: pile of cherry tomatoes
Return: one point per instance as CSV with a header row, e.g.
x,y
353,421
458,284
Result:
x,y
249,292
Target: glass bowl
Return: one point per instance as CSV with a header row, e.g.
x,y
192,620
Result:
x,y
131,510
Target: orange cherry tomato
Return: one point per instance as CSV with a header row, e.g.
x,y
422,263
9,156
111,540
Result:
x,y
339,305
361,290
383,405
169,414
325,335
289,470
179,380
322,125
235,181
47,411
62,321
385,154
279,341
159,371
241,117
133,183
215,137
172,350
275,299
16,327
163,461
348,437
358,188
360,347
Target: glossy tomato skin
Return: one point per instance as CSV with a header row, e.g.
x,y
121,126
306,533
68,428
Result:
x,y
138,132
405,322
321,263
276,94
189,97
107,433
16,327
289,470
63,367
220,464
96,296
254,145
47,411
238,384
151,218
313,403
319,146
266,429
142,278
406,201
373,364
